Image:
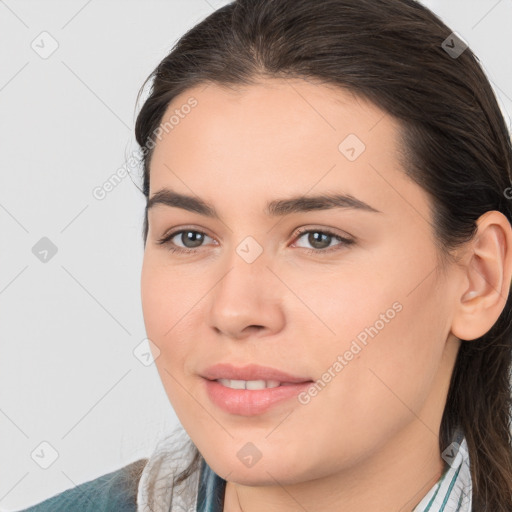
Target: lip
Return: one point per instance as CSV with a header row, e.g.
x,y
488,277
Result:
x,y
251,372
251,402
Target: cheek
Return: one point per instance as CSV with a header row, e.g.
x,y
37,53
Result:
x,y
154,300
390,356
162,307
166,297
171,309
390,334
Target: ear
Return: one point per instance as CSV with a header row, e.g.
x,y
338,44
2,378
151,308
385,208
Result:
x,y
487,274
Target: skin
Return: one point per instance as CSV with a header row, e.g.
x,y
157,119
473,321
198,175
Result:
x,y
369,439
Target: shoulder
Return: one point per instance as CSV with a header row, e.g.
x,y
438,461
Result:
x,y
112,492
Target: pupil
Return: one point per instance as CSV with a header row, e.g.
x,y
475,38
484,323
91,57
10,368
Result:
x,y
314,239
192,236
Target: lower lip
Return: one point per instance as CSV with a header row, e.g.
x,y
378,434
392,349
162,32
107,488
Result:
x,y
250,402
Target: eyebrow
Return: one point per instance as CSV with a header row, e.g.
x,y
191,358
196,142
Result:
x,y
277,207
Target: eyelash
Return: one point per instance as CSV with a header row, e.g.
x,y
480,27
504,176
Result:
x,y
166,240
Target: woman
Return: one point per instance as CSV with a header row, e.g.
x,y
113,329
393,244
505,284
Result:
x,y
327,267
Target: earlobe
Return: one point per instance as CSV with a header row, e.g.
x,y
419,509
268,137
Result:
x,y
487,277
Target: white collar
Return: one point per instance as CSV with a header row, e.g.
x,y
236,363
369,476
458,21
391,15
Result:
x,y
453,491
155,492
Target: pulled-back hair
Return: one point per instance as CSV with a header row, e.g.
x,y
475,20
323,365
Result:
x,y
454,144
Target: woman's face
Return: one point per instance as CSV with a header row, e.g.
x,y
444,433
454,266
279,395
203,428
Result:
x,y
368,320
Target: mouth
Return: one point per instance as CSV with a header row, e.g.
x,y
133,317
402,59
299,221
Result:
x,y
252,397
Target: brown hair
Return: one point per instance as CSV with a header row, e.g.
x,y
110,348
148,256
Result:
x,y
455,142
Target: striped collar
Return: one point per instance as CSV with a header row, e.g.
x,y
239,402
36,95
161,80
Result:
x,y
451,493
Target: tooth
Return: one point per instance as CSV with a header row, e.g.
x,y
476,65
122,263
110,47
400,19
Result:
x,y
237,384
255,384
249,384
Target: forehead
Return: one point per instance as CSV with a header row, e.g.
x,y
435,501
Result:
x,y
292,109
277,137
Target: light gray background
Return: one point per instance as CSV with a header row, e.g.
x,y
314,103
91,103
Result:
x,y
68,327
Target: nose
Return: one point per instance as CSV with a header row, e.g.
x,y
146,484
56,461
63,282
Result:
x,y
247,300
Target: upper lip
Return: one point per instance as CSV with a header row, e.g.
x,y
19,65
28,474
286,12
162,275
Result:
x,y
250,372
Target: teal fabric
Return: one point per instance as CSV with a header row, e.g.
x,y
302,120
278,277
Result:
x,y
111,492
210,495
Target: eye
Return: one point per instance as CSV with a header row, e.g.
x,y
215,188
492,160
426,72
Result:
x,y
321,239
191,239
